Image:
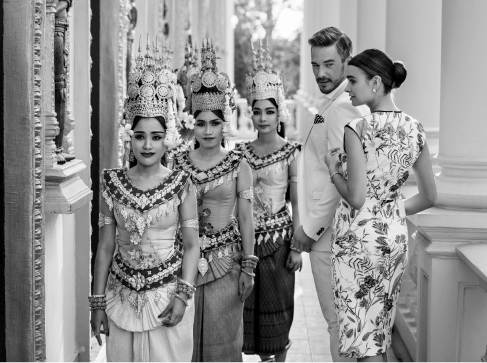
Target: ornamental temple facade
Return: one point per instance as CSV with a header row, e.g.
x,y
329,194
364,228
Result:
x,y
64,78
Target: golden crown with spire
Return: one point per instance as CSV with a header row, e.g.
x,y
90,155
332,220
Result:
x,y
211,90
190,68
265,83
153,91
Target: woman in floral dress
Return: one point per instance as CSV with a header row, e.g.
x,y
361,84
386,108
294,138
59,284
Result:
x,y
224,194
269,310
369,243
143,282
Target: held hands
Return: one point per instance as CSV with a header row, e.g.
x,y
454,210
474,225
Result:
x,y
174,312
301,241
245,285
332,160
99,318
294,261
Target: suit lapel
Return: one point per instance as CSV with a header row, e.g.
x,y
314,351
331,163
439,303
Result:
x,y
319,117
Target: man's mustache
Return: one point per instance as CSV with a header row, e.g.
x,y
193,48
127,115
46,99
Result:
x,y
323,79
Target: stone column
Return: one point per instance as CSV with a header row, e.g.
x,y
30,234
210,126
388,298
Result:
x,y
419,47
371,25
445,282
23,199
462,156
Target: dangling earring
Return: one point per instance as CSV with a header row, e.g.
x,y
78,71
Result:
x,y
374,90
131,156
279,127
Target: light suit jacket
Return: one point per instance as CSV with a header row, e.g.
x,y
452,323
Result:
x,y
318,197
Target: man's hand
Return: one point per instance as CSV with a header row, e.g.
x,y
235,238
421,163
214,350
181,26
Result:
x,y
301,241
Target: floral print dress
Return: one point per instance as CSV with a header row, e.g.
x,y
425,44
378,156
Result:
x,y
369,246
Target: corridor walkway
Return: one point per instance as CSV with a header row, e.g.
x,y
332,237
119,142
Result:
x,y
311,342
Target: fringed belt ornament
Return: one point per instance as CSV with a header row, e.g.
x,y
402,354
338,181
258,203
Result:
x,y
271,231
219,244
147,279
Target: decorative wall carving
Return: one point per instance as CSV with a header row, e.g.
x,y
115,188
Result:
x,y
61,66
38,238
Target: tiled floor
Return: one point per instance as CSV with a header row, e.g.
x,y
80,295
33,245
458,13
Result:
x,y
311,342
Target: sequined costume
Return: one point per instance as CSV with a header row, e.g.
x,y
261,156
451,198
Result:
x,y
269,310
142,277
170,155
369,246
218,327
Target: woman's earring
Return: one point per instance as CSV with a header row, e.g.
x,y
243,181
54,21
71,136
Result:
x,y
374,90
279,127
131,156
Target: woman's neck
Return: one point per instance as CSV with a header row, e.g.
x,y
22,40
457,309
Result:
x,y
147,171
386,103
210,153
271,138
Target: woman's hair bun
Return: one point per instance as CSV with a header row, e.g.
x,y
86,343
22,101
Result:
x,y
400,74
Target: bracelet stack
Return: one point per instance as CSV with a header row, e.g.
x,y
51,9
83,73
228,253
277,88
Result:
x,y
295,249
185,287
97,302
249,261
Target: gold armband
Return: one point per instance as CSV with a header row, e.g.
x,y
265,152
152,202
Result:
x,y
247,194
294,179
190,223
103,219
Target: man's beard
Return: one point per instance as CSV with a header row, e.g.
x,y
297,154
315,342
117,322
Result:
x,y
335,83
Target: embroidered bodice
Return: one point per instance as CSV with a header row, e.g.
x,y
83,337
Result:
x,y
147,220
270,176
144,269
392,142
216,189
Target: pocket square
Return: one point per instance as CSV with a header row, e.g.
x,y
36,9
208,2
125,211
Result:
x,y
319,119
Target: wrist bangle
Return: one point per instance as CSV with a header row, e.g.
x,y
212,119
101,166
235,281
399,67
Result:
x,y
180,298
332,175
251,274
295,249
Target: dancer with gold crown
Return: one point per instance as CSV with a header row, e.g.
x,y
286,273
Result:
x,y
142,293
269,310
224,195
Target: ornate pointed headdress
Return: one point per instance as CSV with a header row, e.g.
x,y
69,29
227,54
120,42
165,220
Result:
x,y
189,69
211,90
153,91
265,83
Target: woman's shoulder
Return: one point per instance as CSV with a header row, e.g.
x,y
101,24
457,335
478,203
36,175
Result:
x,y
113,173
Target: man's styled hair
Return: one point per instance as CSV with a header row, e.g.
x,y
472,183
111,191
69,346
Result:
x,y
329,36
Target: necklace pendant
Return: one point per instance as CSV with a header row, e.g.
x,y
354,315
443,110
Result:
x,y
202,266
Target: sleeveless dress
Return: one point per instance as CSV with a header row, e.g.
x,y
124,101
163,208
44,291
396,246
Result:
x,y
142,277
218,326
269,310
369,246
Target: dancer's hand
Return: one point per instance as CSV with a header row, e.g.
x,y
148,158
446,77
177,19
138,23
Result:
x,y
245,285
99,318
301,241
173,313
294,261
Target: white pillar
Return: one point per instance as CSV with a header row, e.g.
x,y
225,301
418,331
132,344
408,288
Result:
x,y
462,156
445,282
371,25
413,35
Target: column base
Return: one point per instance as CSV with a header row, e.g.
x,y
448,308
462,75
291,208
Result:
x,y
65,190
451,318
